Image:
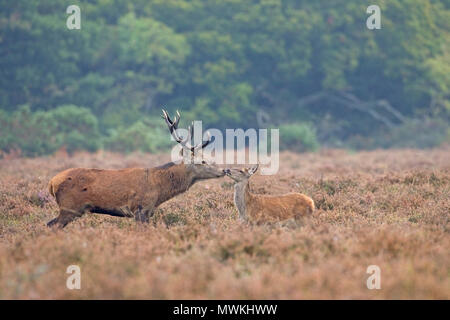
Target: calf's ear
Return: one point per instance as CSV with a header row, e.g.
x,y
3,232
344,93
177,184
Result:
x,y
253,169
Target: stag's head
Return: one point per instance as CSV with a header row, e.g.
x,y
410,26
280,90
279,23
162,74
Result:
x,y
240,175
191,153
205,170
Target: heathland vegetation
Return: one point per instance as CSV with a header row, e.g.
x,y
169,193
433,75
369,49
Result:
x,y
388,208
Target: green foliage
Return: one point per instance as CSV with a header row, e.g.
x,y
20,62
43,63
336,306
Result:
x,y
74,127
298,137
148,137
415,133
221,62
41,132
419,133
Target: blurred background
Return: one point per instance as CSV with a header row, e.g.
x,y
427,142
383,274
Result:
x,y
310,68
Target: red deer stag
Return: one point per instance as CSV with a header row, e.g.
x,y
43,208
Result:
x,y
266,208
134,192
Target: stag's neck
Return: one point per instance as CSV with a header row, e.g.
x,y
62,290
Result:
x,y
241,195
172,180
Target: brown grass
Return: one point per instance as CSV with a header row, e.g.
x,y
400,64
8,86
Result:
x,y
388,208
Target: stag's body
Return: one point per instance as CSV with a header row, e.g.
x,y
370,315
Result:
x,y
132,192
267,208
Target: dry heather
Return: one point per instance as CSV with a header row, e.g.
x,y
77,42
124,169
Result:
x,y
388,208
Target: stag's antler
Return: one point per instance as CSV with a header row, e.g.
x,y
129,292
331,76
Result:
x,y
185,143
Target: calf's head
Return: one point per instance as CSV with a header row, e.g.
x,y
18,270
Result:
x,y
240,175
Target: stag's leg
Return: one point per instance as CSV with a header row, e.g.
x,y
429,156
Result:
x,y
291,223
144,214
138,214
52,222
65,217
126,212
148,213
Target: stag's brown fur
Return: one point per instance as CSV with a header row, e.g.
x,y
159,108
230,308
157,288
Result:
x,y
267,208
128,192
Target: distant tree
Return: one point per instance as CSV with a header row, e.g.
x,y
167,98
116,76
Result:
x,y
223,61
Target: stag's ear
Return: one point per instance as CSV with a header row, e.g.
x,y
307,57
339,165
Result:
x,y
253,169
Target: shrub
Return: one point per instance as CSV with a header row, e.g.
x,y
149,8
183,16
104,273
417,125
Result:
x,y
298,137
418,133
413,133
145,135
171,219
74,127
43,132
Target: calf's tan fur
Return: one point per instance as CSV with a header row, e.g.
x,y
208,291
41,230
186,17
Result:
x,y
266,208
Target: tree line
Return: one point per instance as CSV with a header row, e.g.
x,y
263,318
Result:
x,y
312,68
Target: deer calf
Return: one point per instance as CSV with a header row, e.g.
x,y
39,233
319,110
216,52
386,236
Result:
x,y
266,208
132,192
